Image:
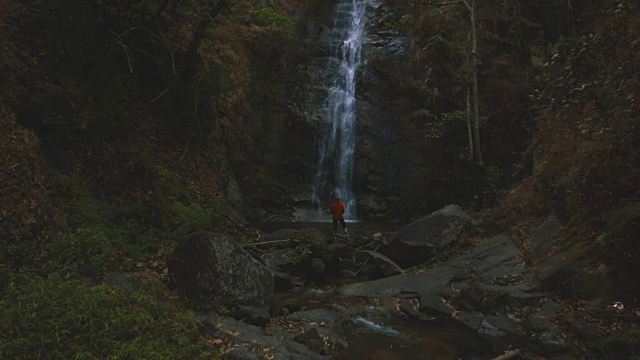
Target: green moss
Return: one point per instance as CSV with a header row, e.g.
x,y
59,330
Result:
x,y
268,17
62,318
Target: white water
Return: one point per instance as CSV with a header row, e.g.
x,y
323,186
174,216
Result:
x,y
335,162
381,328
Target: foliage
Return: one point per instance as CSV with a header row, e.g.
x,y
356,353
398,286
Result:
x,y
58,317
298,254
268,17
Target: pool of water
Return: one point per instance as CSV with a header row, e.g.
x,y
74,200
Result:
x,y
375,337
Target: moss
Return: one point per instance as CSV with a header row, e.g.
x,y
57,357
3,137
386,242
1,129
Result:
x,y
268,17
62,318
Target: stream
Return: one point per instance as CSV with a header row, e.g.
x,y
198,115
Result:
x,y
370,331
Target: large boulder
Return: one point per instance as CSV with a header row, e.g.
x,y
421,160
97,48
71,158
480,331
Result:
x,y
214,270
418,242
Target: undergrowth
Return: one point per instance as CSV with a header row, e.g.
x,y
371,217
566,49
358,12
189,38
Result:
x,y
59,317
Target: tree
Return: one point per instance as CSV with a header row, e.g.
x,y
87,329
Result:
x,y
474,141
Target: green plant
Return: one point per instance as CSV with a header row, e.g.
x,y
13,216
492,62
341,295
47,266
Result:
x,y
59,317
268,17
298,254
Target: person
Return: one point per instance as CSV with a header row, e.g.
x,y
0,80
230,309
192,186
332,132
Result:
x,y
337,214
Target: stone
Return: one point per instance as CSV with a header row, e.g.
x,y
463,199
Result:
x,y
312,333
417,242
277,260
497,257
551,343
346,264
281,234
371,271
568,279
282,281
316,269
216,271
388,267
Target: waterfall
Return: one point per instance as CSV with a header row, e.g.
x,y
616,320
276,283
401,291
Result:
x,y
336,145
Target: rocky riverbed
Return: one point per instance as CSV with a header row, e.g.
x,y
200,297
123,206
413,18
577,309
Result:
x,y
433,289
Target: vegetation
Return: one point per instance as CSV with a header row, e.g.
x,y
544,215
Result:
x,y
109,118
121,121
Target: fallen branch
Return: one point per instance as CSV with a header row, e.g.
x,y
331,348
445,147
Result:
x,y
365,263
509,355
267,242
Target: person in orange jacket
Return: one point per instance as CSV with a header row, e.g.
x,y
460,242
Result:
x,y
337,214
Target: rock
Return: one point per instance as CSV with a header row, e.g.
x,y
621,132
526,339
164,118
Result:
x,y
252,315
568,279
281,234
316,316
613,347
309,334
373,205
309,236
315,269
495,258
500,332
278,261
550,343
282,281
542,239
348,274
242,353
388,267
415,243
251,340
214,270
346,264
371,271
340,250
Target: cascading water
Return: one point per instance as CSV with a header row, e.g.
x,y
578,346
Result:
x,y
334,167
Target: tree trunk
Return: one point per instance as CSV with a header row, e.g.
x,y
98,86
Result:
x,y
474,61
469,130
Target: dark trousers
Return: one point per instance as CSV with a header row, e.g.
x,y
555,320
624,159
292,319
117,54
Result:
x,y
335,225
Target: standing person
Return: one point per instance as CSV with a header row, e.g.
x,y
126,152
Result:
x,y
337,213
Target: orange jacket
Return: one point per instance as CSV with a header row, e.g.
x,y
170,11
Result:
x,y
337,210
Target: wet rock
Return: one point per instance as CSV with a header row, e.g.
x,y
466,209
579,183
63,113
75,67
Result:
x,y
316,316
373,205
250,340
583,330
282,281
415,243
538,323
613,347
500,332
550,343
494,259
215,270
